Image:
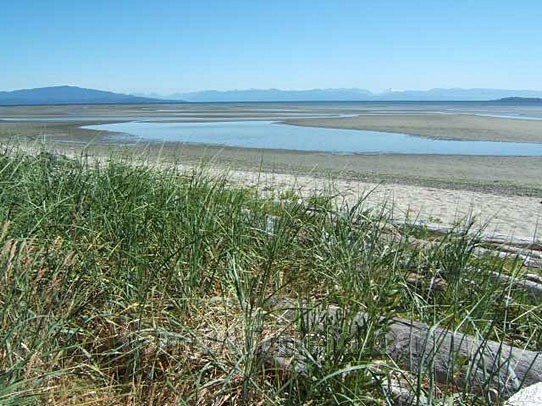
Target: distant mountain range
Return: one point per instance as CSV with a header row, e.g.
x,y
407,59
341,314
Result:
x,y
353,95
78,95
271,95
69,95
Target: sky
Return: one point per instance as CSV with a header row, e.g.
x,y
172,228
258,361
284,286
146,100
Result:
x,y
163,47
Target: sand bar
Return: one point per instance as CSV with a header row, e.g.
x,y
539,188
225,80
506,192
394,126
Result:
x,y
441,126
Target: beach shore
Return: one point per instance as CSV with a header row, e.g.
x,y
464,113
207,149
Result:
x,y
501,175
438,126
517,217
504,194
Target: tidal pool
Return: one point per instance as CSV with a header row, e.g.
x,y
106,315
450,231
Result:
x,y
273,135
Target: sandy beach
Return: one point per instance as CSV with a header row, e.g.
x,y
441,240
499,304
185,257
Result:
x,y
504,194
515,217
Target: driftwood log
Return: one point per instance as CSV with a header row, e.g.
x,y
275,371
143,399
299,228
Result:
x,y
492,238
469,363
465,361
530,250
530,283
530,259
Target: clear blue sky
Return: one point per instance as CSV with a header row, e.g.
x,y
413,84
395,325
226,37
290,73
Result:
x,y
185,45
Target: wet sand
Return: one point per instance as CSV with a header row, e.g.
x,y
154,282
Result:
x,y
500,175
441,126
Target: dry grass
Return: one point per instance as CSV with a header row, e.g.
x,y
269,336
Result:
x,y
122,284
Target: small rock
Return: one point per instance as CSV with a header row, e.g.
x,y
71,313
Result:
x,y
529,396
414,278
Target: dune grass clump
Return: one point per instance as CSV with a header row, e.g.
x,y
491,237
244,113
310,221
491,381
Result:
x,y
127,284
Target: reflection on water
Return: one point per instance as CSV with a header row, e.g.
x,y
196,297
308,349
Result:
x,y
271,135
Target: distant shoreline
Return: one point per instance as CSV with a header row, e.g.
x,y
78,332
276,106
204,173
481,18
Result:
x,y
504,101
66,95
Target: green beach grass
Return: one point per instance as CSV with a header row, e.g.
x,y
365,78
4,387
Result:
x,y
128,284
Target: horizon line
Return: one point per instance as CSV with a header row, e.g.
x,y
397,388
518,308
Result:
x,y
390,90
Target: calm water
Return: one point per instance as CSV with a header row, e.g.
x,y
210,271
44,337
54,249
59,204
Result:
x,y
271,135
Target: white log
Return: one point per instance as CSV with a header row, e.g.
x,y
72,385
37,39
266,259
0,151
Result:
x,y
468,362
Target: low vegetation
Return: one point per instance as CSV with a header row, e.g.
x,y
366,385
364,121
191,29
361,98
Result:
x,y
127,284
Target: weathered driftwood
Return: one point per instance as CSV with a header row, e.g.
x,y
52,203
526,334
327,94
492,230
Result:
x,y
465,361
494,239
450,357
525,244
530,259
400,388
491,239
523,252
535,263
529,282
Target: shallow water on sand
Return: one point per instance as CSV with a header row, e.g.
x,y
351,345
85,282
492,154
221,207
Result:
x,y
273,135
